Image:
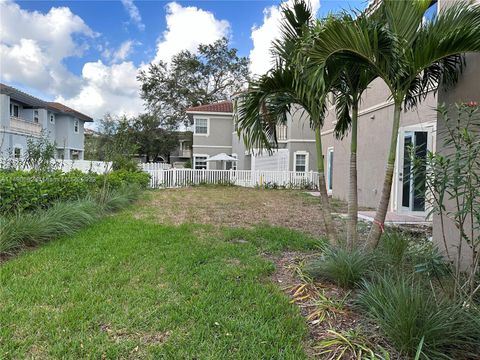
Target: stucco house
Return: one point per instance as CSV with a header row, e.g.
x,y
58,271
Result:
x,y
214,133
23,116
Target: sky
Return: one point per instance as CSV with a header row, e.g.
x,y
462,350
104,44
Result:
x,y
86,54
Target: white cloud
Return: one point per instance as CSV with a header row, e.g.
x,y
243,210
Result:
x,y
133,13
33,46
188,27
113,89
121,54
263,35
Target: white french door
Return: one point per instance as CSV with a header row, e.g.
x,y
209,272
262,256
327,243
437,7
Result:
x,y
409,175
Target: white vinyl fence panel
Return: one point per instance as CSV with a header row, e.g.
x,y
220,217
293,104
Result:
x,y
99,167
173,178
154,166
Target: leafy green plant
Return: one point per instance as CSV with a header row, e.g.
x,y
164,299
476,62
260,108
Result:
x,y
413,318
346,268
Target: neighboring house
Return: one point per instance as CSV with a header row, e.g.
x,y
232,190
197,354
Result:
x,y
23,116
214,133
183,153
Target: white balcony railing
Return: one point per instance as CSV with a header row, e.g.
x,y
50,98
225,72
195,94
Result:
x,y
23,126
281,132
186,153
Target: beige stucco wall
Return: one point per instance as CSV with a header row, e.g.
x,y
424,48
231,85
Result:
x,y
374,132
467,89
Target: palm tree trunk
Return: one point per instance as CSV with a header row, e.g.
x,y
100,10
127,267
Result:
x,y
379,220
352,234
322,188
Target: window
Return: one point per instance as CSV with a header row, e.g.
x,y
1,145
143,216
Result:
x,y
14,109
52,118
200,162
330,169
281,132
301,161
35,116
17,152
201,126
61,154
74,154
76,126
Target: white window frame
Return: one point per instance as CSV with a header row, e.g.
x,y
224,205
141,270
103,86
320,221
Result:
x,y
36,115
20,147
52,118
76,124
195,126
300,152
12,110
330,150
206,156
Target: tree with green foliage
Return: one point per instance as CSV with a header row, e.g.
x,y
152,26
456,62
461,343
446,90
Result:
x,y
211,74
281,91
410,54
152,139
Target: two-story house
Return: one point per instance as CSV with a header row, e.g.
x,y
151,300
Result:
x,y
214,133
23,116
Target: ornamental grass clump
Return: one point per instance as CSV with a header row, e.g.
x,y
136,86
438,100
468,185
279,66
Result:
x,y
418,321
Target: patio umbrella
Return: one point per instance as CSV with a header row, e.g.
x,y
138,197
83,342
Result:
x,y
222,157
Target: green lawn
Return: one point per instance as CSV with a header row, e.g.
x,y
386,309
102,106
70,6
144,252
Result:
x,y
127,288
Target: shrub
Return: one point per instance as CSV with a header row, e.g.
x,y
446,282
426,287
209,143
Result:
x,y
343,267
20,190
119,178
409,314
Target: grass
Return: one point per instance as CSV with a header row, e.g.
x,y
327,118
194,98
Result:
x,y
62,218
341,266
417,321
126,288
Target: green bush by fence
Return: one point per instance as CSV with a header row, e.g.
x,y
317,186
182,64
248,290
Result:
x,y
25,191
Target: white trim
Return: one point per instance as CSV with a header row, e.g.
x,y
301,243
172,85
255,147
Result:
x,y
208,113
213,146
430,128
330,149
300,152
195,126
206,156
299,140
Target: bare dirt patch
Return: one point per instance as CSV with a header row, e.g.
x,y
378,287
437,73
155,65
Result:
x,y
234,207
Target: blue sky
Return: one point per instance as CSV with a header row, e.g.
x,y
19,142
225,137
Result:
x,y
87,53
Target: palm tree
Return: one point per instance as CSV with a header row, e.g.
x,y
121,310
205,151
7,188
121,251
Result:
x,y
411,55
347,88
271,97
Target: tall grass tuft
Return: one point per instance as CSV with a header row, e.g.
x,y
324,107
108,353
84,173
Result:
x,y
63,218
413,319
346,268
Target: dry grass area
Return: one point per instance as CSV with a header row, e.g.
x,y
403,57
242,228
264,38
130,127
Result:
x,y
235,207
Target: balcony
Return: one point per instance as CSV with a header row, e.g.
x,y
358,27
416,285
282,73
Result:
x,y
186,153
281,132
25,127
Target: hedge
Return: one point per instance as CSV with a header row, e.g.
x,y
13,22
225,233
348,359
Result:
x,y
24,191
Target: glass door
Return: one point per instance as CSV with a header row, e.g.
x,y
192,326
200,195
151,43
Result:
x,y
412,177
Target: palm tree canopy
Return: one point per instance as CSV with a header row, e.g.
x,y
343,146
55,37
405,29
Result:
x,y
412,55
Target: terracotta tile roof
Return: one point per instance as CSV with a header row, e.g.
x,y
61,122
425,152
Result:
x,y
220,107
65,109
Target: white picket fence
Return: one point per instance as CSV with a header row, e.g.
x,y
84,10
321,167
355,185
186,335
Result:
x,y
99,167
154,166
173,178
